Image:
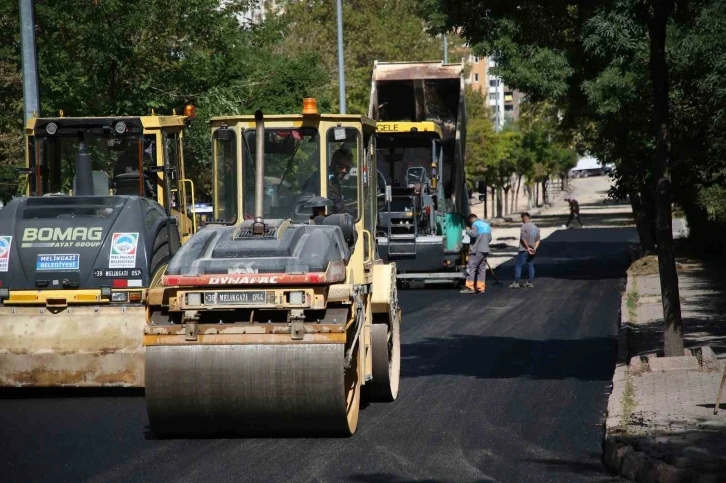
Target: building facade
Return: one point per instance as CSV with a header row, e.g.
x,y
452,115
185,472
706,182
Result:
x,y
502,101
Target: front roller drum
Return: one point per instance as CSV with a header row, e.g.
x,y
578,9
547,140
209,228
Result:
x,y
267,389
386,354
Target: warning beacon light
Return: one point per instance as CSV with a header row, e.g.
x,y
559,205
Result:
x,y
190,111
310,106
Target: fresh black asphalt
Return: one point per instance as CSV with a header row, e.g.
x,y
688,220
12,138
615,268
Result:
x,y
507,386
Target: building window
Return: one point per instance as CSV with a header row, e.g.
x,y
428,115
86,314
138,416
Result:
x,y
494,83
509,107
493,95
476,59
476,77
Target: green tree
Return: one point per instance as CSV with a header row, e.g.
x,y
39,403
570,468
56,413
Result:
x,y
384,30
155,54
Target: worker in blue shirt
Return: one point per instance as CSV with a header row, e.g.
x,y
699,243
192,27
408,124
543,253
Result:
x,y
480,235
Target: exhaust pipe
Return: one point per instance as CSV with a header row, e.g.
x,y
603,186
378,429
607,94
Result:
x,y
84,173
258,227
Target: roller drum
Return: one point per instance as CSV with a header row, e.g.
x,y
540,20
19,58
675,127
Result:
x,y
255,389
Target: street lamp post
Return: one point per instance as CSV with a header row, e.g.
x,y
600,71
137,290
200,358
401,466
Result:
x,y
341,62
30,69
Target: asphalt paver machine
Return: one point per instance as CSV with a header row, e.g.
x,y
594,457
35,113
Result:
x,y
421,112
101,218
276,315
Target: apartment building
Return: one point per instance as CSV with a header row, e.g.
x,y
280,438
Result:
x,y
500,98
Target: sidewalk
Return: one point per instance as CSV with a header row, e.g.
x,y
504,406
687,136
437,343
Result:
x,y
661,425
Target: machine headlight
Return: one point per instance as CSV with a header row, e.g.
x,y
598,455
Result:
x,y
296,298
120,297
120,127
51,128
4,293
105,292
194,299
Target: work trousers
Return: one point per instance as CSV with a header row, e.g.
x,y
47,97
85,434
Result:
x,y
522,259
476,271
572,217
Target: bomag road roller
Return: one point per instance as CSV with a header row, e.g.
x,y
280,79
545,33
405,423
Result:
x,y
273,316
101,218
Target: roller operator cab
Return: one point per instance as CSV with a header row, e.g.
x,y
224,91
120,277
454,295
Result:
x,y
276,313
101,220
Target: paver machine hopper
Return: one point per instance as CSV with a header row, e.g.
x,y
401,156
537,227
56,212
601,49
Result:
x,y
276,315
101,218
421,112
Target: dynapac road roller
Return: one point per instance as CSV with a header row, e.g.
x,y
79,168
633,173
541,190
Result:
x,y
100,220
273,316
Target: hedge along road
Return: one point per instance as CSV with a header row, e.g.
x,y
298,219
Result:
x,y
511,385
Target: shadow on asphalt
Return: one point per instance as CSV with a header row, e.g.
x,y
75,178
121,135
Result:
x,y
594,468
389,478
491,357
615,220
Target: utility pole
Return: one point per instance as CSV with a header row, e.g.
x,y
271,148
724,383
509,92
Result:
x,y
446,50
341,62
30,68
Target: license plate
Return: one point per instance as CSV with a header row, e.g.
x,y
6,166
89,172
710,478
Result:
x,y
235,297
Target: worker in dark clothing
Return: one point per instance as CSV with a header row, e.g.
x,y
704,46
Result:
x,y
574,211
339,167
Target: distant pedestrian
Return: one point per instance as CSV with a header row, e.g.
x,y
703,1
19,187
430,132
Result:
x,y
528,244
480,235
574,212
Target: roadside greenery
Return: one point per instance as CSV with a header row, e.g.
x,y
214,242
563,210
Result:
x,y
522,155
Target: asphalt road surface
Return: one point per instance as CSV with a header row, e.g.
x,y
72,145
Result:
x,y
507,386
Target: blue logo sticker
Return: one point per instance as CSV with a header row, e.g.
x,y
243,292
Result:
x,y
63,261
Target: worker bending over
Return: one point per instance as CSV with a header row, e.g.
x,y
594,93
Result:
x,y
480,234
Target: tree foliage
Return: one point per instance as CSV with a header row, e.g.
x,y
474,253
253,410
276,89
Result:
x,y
154,54
383,30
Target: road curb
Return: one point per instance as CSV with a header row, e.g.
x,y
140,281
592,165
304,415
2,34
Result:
x,y
620,453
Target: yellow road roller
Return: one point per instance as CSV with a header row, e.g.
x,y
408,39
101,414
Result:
x,y
274,317
102,216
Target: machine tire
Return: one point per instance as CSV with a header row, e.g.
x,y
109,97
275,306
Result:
x,y
160,255
386,355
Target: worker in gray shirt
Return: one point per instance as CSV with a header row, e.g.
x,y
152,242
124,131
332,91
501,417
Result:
x,y
528,245
480,235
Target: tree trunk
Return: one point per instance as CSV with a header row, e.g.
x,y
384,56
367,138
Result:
x,y
545,197
486,212
673,334
516,193
499,202
643,221
529,189
494,205
506,201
